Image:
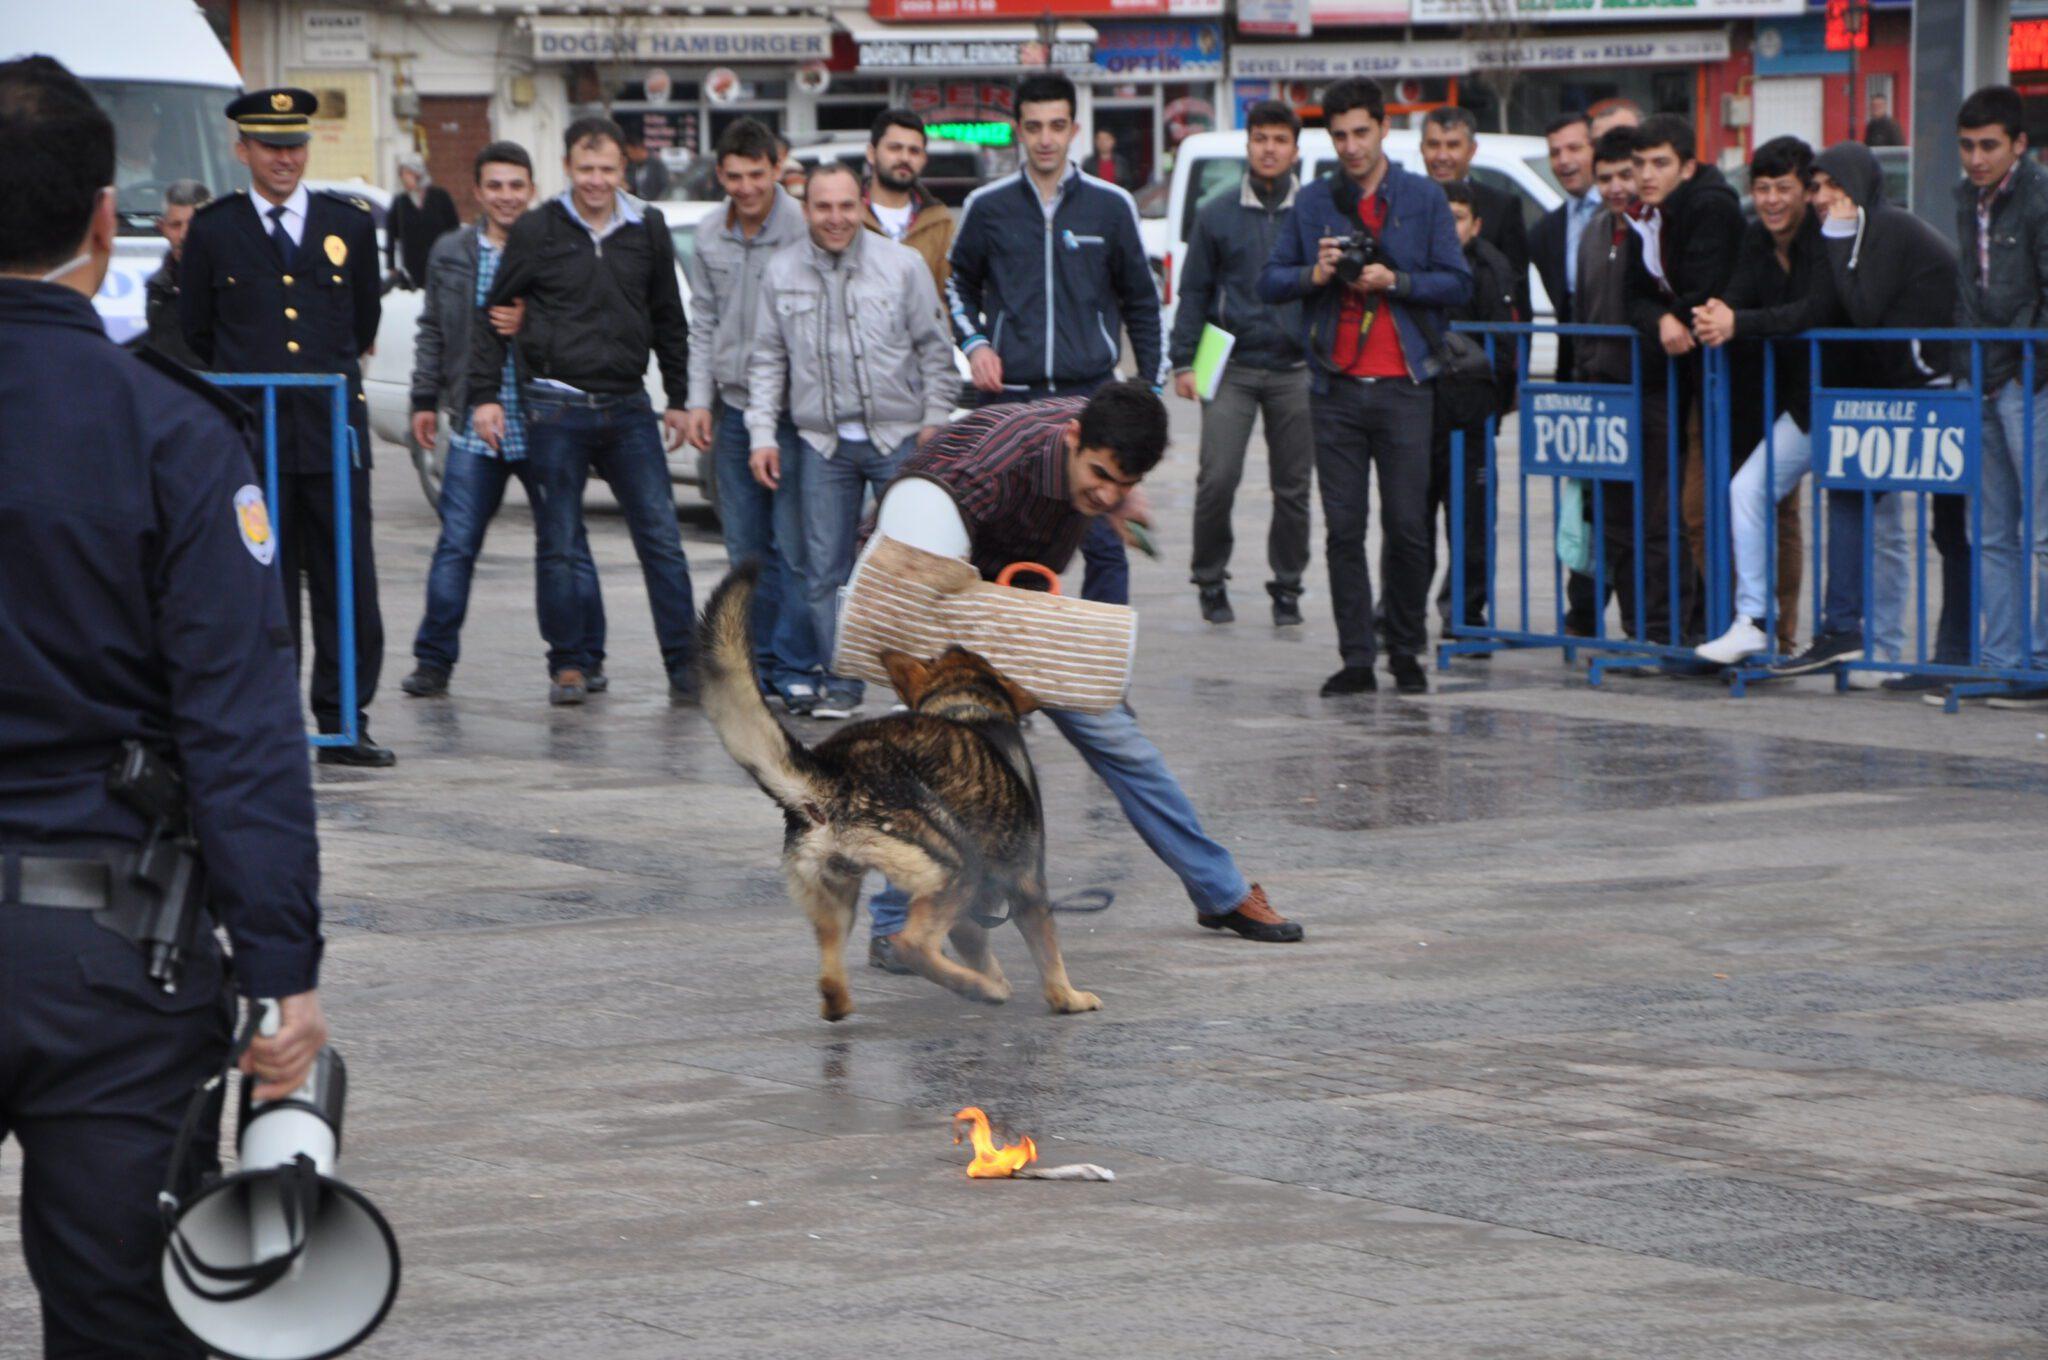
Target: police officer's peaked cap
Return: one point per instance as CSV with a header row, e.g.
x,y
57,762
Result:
x,y
278,117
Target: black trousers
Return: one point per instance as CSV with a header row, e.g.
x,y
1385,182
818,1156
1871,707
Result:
x,y
1359,425
96,1067
306,545
1478,495
1618,504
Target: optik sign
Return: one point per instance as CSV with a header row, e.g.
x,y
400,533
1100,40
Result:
x,y
1579,430
1897,441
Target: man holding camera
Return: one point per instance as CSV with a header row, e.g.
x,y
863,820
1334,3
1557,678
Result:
x,y
1374,254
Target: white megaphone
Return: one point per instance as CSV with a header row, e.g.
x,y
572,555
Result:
x,y
281,1261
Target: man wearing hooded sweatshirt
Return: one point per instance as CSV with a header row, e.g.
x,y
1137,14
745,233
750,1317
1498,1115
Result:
x,y
1887,268
2002,221
1686,225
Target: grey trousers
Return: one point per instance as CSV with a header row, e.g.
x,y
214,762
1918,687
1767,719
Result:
x,y
1282,394
1358,425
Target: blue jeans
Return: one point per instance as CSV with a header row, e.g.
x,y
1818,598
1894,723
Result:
x,y
1153,800
758,523
1890,571
472,488
833,490
567,435
2015,574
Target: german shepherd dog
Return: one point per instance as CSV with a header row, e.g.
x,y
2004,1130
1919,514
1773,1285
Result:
x,y
940,800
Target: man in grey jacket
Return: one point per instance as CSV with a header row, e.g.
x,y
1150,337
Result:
x,y
849,326
459,274
760,524
1234,235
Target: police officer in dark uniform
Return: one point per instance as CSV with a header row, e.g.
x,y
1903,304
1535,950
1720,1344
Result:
x,y
139,603
280,280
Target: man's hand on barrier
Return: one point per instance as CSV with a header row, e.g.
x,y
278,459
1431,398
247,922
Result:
x,y
1676,339
987,367
1714,323
487,422
697,423
766,465
675,428
1327,251
281,1061
507,320
423,423
1377,278
1184,386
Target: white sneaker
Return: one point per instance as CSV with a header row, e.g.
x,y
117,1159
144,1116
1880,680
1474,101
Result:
x,y
1743,639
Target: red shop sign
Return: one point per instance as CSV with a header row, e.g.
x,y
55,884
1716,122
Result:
x,y
934,10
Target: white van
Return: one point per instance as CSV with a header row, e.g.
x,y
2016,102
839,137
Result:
x,y
1211,163
160,73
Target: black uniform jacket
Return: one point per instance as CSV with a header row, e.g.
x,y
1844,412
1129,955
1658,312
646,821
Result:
x,y
139,598
245,311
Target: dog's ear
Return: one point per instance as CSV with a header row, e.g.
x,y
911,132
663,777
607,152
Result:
x,y
907,674
1024,699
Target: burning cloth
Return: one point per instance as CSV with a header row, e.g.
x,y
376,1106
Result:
x,y
1069,653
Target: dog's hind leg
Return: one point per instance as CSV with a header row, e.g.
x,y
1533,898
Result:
x,y
830,901
970,942
1032,912
931,915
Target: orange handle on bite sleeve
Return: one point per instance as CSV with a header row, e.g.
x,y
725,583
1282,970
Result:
x,y
1052,580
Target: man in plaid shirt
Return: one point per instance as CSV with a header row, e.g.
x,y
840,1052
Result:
x,y
460,272
1025,484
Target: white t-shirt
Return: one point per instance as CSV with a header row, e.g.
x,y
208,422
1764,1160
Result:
x,y
894,221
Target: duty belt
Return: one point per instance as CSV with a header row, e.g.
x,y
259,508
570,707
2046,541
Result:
x,y
53,881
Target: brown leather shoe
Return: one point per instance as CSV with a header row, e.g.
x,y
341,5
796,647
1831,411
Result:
x,y
568,687
1255,919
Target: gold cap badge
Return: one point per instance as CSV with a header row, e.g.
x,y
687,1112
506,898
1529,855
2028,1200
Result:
x,y
281,102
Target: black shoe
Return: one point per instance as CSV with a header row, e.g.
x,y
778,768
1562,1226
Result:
x,y
683,690
365,753
425,683
1216,605
1286,608
1827,651
1350,680
881,955
1913,684
597,682
1408,676
568,687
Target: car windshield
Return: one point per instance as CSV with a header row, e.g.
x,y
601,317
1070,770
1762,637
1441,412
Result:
x,y
165,132
685,237
1212,175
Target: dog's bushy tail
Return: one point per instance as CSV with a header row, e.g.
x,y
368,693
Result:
x,y
779,763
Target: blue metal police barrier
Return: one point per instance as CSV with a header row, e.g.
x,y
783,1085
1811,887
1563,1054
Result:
x,y
344,525
1871,451
1573,432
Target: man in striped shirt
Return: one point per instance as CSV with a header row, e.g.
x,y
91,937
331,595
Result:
x,y
1025,484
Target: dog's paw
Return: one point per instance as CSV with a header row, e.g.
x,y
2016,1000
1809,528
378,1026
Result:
x,y
837,1005
993,994
1074,1003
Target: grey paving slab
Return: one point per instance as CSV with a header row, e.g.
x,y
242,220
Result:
x,y
1632,1022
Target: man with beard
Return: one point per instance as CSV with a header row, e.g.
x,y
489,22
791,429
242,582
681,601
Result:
x,y
898,207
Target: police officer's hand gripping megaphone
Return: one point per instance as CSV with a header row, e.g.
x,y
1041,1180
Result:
x,y
281,1260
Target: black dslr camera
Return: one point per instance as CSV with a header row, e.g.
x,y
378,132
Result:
x,y
1361,248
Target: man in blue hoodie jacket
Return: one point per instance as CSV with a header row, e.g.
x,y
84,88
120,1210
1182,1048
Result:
x,y
1371,334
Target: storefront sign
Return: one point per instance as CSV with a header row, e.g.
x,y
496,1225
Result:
x,y
1001,133
335,37
964,53
1171,51
1325,61
1592,11
931,11
2027,49
1281,18
1579,430
1897,441
1797,47
774,42
970,101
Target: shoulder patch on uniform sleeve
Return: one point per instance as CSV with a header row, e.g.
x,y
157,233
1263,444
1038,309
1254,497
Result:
x,y
252,521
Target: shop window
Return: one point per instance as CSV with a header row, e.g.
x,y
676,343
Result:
x,y
844,115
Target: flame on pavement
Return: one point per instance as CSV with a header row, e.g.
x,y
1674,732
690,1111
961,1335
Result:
x,y
990,1160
